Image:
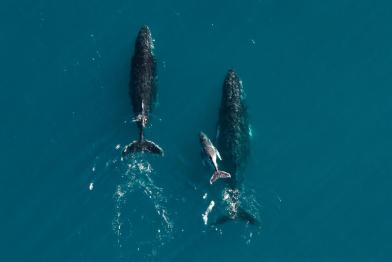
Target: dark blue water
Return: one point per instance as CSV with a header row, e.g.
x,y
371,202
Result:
x,y
318,77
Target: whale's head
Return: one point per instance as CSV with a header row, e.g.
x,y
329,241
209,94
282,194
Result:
x,y
232,87
144,41
203,138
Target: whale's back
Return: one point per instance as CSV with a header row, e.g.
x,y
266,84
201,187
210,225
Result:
x,y
143,73
233,137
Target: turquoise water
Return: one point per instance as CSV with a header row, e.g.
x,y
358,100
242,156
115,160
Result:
x,y
318,77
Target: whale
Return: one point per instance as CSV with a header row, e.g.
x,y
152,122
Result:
x,y
233,136
233,142
210,152
143,91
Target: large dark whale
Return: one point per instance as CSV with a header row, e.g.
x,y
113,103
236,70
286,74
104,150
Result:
x,y
233,141
142,89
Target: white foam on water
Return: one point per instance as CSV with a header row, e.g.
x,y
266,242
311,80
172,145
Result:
x,y
135,177
117,220
207,212
226,195
138,178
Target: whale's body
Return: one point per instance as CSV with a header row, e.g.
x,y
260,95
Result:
x,y
143,90
233,142
142,84
233,136
210,151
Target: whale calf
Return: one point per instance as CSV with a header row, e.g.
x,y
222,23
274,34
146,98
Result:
x,y
233,141
142,89
209,150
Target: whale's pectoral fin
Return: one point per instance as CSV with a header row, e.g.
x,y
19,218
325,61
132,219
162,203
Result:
x,y
141,146
219,174
217,154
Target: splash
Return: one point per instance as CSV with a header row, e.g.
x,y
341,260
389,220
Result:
x,y
231,198
208,211
140,213
234,200
137,178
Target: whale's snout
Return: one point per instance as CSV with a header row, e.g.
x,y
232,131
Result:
x,y
145,30
144,39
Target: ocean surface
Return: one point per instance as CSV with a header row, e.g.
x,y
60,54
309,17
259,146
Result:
x,y
318,79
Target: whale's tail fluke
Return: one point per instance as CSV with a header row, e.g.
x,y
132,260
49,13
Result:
x,y
142,146
219,174
242,215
